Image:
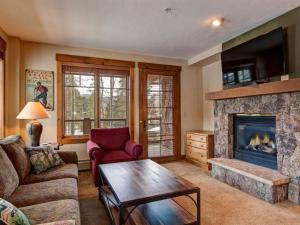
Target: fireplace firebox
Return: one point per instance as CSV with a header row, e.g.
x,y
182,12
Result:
x,y
254,139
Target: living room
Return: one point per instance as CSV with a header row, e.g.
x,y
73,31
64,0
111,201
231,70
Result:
x,y
202,98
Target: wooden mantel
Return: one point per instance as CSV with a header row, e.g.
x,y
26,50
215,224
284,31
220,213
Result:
x,y
254,90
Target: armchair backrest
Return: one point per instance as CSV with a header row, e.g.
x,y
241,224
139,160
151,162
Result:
x,y
110,138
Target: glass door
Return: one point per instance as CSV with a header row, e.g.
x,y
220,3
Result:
x,y
160,114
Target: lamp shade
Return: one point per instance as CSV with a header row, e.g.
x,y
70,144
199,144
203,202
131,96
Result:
x,y
33,110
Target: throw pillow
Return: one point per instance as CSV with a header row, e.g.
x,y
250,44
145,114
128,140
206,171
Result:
x,y
10,215
43,158
14,147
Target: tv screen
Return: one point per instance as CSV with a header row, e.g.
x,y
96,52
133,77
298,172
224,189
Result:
x,y
259,60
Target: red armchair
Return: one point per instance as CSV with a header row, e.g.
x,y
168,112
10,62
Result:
x,y
109,146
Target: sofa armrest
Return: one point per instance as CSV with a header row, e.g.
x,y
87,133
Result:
x,y
92,148
68,156
133,149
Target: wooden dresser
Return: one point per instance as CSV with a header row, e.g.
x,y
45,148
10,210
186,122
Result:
x,y
199,148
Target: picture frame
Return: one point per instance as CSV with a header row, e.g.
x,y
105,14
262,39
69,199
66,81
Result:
x,y
40,87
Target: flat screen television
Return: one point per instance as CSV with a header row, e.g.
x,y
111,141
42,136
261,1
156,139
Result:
x,y
259,60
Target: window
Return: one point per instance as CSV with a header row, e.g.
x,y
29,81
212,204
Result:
x,y
93,96
2,85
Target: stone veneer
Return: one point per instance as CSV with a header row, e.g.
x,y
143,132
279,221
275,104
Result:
x,y
256,188
286,108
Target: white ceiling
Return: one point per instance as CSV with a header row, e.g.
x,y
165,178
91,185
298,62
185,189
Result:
x,y
139,26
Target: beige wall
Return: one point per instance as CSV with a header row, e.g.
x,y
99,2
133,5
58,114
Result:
x,y
211,75
12,76
42,56
12,84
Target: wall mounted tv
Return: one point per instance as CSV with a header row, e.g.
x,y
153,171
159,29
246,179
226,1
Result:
x,y
259,60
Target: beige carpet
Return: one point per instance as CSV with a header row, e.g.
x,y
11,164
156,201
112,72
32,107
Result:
x,y
220,203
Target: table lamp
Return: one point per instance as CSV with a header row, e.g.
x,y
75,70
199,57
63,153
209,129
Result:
x,y
34,110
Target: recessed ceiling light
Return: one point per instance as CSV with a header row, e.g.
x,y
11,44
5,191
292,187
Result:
x,y
217,22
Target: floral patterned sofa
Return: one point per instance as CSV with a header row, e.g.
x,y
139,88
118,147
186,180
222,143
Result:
x,y
46,197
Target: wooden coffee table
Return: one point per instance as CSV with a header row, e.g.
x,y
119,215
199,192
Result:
x,y
141,192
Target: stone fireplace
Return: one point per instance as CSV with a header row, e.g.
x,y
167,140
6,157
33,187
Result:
x,y
286,108
274,145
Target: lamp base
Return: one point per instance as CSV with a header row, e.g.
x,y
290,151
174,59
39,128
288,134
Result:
x,y
34,130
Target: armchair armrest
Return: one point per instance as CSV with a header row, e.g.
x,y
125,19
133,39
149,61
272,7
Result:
x,y
92,148
133,149
68,156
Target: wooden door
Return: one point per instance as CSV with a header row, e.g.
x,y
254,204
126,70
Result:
x,y
160,111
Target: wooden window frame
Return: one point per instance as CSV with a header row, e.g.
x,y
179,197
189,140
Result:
x,y
3,46
90,62
143,67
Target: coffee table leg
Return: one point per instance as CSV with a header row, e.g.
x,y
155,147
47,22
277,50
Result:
x,y
198,208
121,215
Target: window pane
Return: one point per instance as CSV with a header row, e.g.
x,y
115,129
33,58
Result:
x,y
112,123
73,128
154,99
154,112
105,82
113,95
87,81
119,107
79,104
72,80
105,101
119,82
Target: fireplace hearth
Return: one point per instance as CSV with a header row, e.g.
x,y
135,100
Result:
x,y
254,139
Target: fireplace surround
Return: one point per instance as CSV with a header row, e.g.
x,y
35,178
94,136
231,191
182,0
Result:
x,y
286,109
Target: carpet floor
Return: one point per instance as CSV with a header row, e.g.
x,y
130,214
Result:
x,y
220,203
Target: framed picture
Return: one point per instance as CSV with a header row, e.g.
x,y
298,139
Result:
x,y
40,87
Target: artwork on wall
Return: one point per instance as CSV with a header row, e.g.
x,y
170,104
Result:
x,y
40,87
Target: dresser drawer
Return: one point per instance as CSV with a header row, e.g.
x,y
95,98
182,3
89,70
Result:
x,y
197,144
197,154
197,137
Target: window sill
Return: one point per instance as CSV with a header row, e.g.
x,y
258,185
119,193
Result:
x,y
74,139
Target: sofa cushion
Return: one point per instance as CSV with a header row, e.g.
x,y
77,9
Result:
x,y
115,156
11,215
9,179
14,146
58,172
36,193
43,158
53,211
